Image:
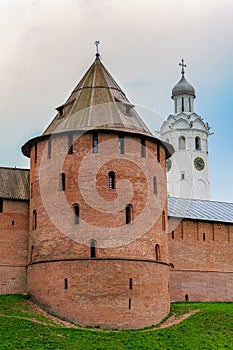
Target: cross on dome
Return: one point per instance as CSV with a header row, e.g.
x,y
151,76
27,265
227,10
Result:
x,y
97,42
183,65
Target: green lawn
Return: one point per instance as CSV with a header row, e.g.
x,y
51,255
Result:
x,y
23,328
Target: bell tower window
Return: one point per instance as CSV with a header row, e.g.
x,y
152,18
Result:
x,y
197,143
128,214
182,143
111,180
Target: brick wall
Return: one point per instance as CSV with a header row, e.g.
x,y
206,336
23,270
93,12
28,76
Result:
x,y
201,253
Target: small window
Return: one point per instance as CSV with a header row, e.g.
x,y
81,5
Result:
x,y
34,219
63,181
13,223
130,283
182,175
128,214
182,104
76,214
129,303
121,144
60,111
93,248
197,143
204,237
163,221
190,109
31,189
35,159
173,235
70,144
111,180
158,152
143,147
66,283
182,143
175,105
95,142
49,147
154,185
186,297
157,252
1,205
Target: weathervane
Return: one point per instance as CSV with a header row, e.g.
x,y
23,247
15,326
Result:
x,y
183,66
97,42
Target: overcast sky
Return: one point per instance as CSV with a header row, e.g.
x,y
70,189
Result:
x,y
47,46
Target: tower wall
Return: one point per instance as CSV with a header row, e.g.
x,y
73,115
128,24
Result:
x,y
62,276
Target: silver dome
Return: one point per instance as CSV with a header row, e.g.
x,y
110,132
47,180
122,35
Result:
x,y
183,88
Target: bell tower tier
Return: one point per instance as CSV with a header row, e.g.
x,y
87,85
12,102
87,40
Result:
x,y
188,169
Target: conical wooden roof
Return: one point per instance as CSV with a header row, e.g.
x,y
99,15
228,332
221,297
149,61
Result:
x,y
97,102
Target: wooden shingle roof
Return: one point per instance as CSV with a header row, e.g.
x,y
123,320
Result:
x,y
14,183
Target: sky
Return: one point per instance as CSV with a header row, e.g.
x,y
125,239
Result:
x,y
47,46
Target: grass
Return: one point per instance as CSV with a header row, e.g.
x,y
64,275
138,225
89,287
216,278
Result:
x,y
21,327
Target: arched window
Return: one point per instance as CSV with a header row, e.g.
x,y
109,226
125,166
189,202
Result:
x,y
121,144
197,143
157,252
163,221
155,185
190,110
70,144
182,142
128,214
111,180
34,219
182,104
76,214
93,248
49,147
63,181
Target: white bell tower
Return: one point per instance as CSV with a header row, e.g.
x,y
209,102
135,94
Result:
x,y
188,169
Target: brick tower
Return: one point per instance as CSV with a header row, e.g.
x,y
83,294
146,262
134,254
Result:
x,y
98,248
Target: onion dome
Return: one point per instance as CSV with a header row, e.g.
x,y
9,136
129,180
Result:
x,y
183,87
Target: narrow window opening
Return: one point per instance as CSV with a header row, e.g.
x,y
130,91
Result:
x,y
197,143
95,142
130,283
173,235
143,147
1,205
76,214
35,159
203,236
182,143
129,303
66,283
158,152
229,234
93,248
155,185
70,144
182,104
175,105
186,297
182,175
121,144
49,147
63,181
111,180
34,219
31,189
128,214
13,223
157,252
163,221
190,104
32,253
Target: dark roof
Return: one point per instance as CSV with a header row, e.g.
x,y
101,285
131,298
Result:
x,y
14,183
183,87
197,209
